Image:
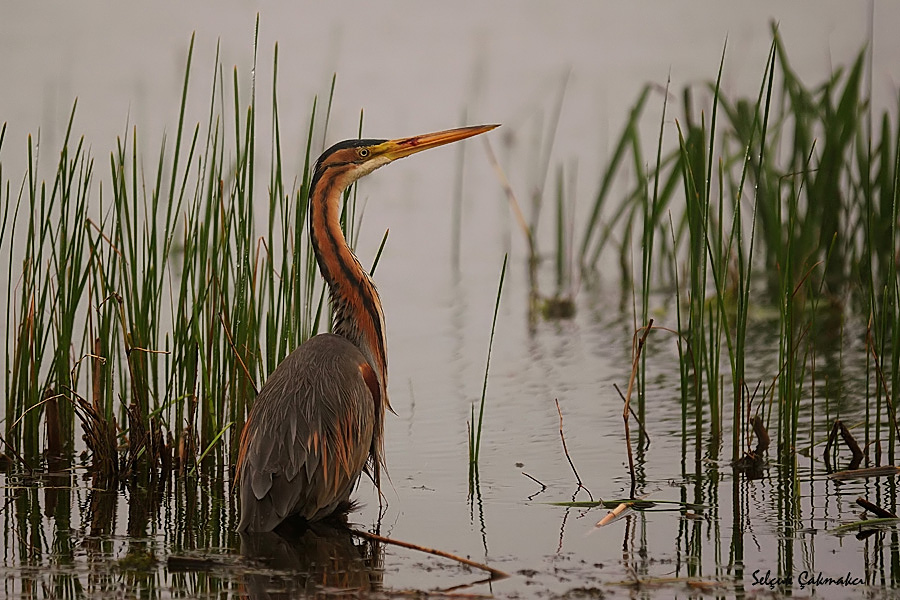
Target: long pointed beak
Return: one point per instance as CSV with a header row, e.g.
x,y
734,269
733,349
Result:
x,y
399,148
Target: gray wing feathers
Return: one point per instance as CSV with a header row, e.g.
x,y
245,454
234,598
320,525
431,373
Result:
x,y
307,437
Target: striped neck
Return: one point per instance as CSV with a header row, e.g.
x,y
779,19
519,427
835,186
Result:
x,y
355,304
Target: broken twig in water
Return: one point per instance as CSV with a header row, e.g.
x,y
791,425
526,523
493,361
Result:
x,y
643,429
875,509
537,481
495,573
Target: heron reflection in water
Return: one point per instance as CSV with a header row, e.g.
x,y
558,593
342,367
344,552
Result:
x,y
319,418
309,560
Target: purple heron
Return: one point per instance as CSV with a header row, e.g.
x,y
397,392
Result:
x,y
319,419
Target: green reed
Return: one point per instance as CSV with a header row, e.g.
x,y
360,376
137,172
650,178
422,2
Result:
x,y
880,186
41,297
651,218
789,200
475,429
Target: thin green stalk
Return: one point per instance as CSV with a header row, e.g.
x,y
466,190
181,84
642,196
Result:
x,y
475,436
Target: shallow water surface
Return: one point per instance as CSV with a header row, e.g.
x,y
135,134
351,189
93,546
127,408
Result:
x,y
722,533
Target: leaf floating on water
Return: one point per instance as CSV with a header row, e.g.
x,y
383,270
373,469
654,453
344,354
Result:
x,y
580,503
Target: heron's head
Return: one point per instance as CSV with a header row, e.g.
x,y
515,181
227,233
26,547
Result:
x,y
349,160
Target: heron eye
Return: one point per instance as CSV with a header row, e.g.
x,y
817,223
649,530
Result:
x,y
363,152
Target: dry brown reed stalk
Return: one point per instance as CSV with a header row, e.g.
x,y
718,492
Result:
x,y
136,358
137,438
569,458
534,293
35,406
635,362
138,390
186,454
158,449
496,574
51,417
537,481
511,197
5,460
641,428
97,362
168,456
752,463
762,436
146,444
100,438
747,409
237,354
849,440
875,509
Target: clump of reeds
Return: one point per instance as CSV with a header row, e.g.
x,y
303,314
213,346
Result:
x,y
788,199
152,293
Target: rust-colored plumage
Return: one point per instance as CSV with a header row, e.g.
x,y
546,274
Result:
x,y
319,418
